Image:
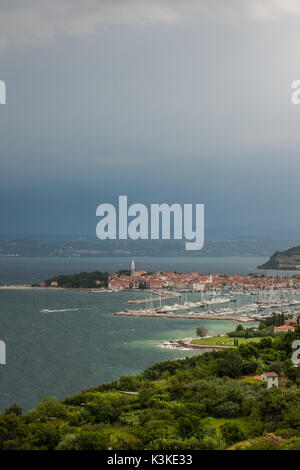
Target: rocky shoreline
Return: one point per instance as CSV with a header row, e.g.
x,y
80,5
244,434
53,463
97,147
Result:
x,y
186,344
288,260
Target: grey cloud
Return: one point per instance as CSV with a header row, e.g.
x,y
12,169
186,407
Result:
x,y
32,21
168,101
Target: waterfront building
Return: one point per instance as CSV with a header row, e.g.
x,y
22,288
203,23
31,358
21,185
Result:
x,y
195,281
284,328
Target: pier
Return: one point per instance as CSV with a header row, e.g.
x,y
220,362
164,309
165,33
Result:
x,y
184,315
150,300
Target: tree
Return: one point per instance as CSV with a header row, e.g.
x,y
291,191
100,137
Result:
x,y
292,417
190,426
13,432
266,342
91,440
14,408
201,331
228,409
49,407
231,365
250,366
275,367
247,350
231,433
44,436
240,328
103,410
85,440
273,405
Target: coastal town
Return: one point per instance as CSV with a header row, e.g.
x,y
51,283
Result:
x,y
220,297
196,281
194,295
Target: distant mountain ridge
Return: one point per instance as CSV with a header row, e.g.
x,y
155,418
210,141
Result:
x,y
244,246
288,259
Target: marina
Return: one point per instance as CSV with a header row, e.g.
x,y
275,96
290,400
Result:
x,y
194,316
242,305
160,296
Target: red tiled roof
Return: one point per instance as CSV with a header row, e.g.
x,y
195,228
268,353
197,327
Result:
x,y
285,327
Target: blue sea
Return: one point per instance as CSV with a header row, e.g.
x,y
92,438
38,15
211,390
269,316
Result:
x,y
60,342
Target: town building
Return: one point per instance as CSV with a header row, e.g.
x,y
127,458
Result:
x,y
132,268
284,328
291,321
271,378
195,281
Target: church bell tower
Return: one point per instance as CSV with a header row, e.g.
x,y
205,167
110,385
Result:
x,y
132,268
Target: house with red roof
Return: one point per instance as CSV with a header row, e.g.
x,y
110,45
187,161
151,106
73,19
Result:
x,y
271,378
284,328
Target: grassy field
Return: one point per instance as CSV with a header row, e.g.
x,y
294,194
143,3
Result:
x,y
241,421
223,340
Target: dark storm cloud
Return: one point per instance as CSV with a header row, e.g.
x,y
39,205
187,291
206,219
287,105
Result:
x,y
161,100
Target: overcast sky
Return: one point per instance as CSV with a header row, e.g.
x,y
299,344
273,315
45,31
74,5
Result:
x,y
163,101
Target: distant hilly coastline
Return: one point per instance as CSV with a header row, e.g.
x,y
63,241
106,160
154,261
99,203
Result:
x,y
288,259
243,246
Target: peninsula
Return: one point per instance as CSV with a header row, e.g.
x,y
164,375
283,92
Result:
x,y
288,260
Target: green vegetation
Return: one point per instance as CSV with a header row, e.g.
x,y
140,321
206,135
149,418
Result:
x,y
124,272
242,335
266,327
80,280
206,401
222,341
276,319
201,331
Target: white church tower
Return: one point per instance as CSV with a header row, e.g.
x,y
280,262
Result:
x,y
132,268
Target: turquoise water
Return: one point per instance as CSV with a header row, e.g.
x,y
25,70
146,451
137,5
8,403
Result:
x,y
80,343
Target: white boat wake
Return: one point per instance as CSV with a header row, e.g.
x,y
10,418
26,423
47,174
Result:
x,y
48,310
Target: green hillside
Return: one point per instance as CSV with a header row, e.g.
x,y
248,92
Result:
x,y
289,259
203,402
